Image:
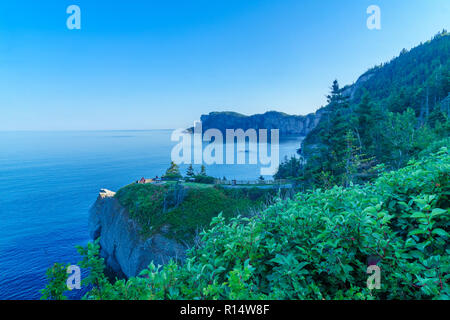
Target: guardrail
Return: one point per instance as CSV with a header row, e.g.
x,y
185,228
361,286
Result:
x,y
253,182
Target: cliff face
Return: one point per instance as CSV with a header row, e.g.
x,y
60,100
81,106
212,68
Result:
x,y
287,124
349,91
126,253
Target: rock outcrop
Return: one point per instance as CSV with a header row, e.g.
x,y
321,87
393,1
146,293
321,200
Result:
x,y
125,251
349,91
287,124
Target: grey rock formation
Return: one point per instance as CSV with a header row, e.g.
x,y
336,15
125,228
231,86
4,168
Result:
x,y
349,91
125,251
287,124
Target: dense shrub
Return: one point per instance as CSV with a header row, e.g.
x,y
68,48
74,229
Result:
x,y
204,179
56,286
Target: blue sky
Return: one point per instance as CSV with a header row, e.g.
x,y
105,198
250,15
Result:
x,y
161,64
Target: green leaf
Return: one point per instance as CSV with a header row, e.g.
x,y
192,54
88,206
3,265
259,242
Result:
x,y
418,214
440,232
438,211
417,231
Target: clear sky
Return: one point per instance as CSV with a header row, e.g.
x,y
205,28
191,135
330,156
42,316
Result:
x,y
161,64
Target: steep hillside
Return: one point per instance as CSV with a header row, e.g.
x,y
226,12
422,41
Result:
x,y
389,115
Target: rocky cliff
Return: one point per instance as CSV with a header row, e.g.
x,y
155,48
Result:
x,y
126,253
350,90
287,124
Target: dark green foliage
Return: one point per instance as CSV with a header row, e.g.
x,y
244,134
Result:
x,y
200,178
395,111
406,81
190,172
173,172
368,116
290,169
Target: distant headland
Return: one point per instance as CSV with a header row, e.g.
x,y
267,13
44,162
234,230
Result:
x,y
287,124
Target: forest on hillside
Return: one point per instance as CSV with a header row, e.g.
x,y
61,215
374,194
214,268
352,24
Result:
x,y
400,109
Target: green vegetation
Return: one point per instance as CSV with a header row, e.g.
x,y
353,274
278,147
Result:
x,y
317,246
202,177
56,286
190,172
173,172
185,207
393,114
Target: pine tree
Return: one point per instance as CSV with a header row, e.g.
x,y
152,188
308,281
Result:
x,y
367,115
173,172
339,124
203,170
190,171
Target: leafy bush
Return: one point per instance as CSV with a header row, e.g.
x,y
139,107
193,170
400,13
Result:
x,y
56,286
204,179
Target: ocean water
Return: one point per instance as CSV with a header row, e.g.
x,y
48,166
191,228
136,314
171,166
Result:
x,y
49,180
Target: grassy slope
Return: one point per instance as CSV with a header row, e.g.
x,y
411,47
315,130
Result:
x,y
154,206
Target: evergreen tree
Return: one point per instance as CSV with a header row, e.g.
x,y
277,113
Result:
x,y
190,171
339,124
173,172
203,170
367,116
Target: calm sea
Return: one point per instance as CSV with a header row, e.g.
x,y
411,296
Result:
x,y
48,181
